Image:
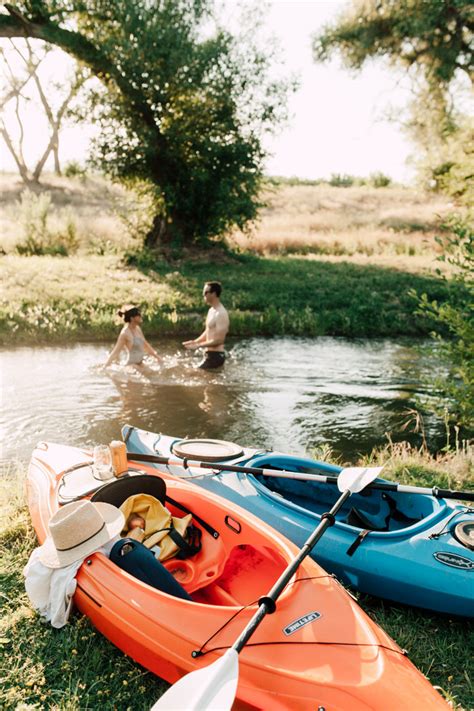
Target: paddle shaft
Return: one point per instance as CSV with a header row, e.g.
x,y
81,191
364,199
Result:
x,y
267,603
302,476
216,685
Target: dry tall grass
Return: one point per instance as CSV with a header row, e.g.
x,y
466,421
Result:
x,y
347,222
92,204
391,225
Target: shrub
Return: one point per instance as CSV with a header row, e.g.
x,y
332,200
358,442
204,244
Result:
x,y
38,238
292,181
74,169
379,180
456,316
341,180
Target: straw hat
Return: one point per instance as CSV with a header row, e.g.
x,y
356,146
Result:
x,y
77,530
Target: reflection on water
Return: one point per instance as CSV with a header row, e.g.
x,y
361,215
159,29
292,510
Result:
x,y
282,393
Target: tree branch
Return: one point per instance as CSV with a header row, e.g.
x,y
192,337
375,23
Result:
x,y
40,164
77,45
23,170
16,90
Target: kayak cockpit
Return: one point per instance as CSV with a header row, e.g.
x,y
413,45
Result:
x,y
223,572
372,509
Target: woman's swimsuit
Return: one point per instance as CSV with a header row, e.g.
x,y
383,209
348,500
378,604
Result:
x,y
137,351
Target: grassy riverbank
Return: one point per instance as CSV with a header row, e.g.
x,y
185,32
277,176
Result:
x,y
76,668
53,298
322,260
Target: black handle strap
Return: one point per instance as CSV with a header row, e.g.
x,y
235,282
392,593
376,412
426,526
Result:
x,y
204,524
356,543
187,548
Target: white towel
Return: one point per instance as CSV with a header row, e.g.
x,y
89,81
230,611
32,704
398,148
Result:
x,y
51,589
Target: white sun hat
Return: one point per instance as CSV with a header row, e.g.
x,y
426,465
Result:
x,y
77,530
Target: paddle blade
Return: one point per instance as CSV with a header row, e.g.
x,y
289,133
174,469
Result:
x,y
357,478
210,689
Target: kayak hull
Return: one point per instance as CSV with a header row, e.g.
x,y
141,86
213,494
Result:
x,y
418,562
318,648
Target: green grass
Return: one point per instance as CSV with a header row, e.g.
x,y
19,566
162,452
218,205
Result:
x,y
52,298
76,668
320,260
73,668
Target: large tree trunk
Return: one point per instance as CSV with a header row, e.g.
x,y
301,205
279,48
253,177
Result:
x,y
158,234
164,233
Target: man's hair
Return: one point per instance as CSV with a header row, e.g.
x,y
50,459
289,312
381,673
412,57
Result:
x,y
215,287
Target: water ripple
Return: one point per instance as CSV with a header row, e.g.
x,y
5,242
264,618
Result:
x,y
292,394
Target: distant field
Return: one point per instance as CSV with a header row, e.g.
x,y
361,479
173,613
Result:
x,y
393,222
391,226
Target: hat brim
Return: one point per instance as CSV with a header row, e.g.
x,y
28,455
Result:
x,y
113,519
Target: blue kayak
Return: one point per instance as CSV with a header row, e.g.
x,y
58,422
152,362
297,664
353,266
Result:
x,y
402,547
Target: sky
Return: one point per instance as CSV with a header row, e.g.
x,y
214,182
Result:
x,y
337,119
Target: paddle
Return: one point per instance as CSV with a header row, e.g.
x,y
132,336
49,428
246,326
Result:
x,y
215,686
303,476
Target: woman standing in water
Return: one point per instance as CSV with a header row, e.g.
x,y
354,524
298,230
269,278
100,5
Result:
x,y
131,338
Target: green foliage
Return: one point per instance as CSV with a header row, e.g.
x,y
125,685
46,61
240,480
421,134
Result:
x,y
339,180
452,169
434,41
196,140
73,169
38,239
185,104
434,36
379,180
137,213
455,316
264,296
279,180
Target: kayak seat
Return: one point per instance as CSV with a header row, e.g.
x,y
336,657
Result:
x,y
118,490
389,518
362,520
135,558
206,564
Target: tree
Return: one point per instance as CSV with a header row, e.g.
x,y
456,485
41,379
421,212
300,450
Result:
x,y
434,41
184,109
14,90
433,36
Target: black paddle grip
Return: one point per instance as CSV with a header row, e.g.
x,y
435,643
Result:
x,y
449,493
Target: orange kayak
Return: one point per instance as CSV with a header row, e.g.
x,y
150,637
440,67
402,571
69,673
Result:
x,y
317,650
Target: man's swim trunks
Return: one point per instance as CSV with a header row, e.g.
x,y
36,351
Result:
x,y
212,359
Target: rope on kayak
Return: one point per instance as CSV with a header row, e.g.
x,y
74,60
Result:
x,y
443,531
401,651
200,653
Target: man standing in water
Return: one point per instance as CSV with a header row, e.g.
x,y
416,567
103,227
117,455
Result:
x,y
217,326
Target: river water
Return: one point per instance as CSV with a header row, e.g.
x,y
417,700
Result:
x,y
290,394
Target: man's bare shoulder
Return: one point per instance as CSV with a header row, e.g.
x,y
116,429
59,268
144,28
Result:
x,y
222,311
